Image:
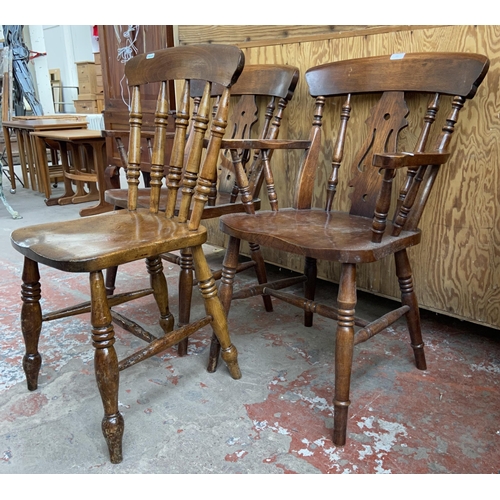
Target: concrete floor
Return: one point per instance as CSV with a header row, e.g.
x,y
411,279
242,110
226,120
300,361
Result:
x,y
276,420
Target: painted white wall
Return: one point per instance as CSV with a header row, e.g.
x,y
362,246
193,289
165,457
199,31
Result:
x,y
40,68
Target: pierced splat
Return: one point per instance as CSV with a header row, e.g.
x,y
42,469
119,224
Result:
x,y
245,115
387,119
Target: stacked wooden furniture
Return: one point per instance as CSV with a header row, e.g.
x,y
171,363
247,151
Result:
x,y
32,154
99,89
90,90
83,156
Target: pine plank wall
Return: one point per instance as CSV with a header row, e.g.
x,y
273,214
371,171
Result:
x,y
457,265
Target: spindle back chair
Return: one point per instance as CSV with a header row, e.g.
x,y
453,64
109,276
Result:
x,y
258,101
376,224
91,244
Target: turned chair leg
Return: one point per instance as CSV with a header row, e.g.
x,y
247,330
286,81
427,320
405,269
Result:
x,y
31,321
225,294
185,295
409,298
106,366
260,271
160,292
214,308
310,271
344,347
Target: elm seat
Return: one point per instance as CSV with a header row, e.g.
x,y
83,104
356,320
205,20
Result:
x,y
146,234
97,242
396,116
343,236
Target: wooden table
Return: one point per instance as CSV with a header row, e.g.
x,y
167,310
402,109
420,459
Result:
x,y
27,147
87,150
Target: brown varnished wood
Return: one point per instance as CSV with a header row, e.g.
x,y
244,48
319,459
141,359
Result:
x,y
106,366
332,236
98,242
37,169
383,127
344,351
376,225
408,72
31,322
87,148
147,68
145,234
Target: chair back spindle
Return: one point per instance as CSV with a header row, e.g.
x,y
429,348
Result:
x,y
182,178
134,155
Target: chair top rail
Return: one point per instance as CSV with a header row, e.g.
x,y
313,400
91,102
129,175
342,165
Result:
x,y
276,80
450,73
195,62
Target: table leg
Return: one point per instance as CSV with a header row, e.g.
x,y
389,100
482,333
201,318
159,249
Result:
x,y
43,170
32,170
68,195
99,161
10,161
22,157
81,174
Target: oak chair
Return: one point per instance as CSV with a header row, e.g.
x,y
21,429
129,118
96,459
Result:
x,y
258,101
97,242
377,149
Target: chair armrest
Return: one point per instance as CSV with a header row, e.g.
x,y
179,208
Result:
x,y
264,144
399,160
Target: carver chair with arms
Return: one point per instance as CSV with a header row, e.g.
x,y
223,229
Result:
x,y
386,143
92,244
258,101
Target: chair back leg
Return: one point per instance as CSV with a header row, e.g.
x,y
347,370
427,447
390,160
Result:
x,y
409,298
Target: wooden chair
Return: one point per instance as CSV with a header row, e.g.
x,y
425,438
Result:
x,y
376,149
274,85
97,242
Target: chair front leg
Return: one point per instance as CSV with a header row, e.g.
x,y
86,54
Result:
x,y
160,292
106,366
31,321
344,347
214,308
225,294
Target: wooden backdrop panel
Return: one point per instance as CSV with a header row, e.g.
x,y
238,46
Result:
x,y
457,264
